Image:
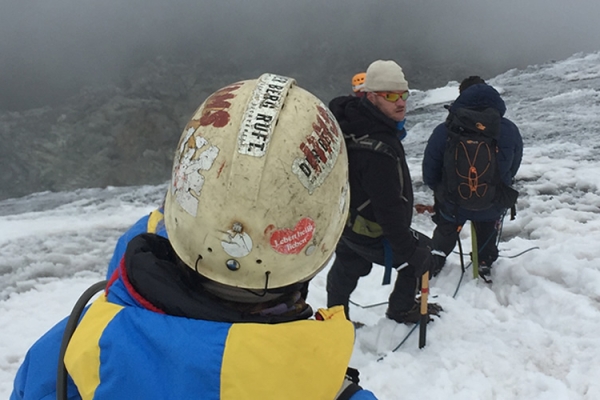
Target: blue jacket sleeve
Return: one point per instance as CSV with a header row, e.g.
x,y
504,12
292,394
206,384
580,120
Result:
x,y
433,159
36,378
518,151
510,147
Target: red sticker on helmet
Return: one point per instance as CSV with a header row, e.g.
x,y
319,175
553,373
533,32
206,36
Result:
x,y
320,149
292,241
216,109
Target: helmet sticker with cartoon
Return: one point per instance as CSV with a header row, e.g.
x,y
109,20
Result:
x,y
187,179
236,242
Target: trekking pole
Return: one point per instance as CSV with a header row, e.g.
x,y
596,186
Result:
x,y
462,259
424,313
474,251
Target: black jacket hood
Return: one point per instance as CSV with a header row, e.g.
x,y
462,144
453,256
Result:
x,y
356,114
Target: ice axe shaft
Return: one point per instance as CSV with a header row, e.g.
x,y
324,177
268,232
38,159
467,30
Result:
x,y
424,313
474,251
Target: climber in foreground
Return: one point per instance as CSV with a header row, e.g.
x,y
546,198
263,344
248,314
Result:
x,y
257,202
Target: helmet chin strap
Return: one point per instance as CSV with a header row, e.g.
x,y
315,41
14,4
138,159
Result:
x,y
240,295
244,295
266,286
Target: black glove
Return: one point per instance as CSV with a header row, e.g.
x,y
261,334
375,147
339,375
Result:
x,y
349,386
422,260
352,375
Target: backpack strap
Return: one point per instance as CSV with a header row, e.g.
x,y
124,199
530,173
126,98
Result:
x,y
73,320
349,389
366,143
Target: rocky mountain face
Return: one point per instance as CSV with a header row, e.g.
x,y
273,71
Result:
x,y
125,134
110,136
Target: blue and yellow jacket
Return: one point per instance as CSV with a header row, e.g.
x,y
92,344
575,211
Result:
x,y
156,334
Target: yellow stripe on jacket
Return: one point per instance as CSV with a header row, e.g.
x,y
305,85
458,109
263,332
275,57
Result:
x,y
297,360
154,219
82,357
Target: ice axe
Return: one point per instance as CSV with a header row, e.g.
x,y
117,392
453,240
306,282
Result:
x,y
424,314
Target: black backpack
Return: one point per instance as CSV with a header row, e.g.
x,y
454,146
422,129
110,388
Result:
x,y
470,177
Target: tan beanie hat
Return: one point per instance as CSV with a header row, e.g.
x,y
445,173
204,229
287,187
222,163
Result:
x,y
384,75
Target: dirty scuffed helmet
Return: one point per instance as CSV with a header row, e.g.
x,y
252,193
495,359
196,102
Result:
x,y
259,194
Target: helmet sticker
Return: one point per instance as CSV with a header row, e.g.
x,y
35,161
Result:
x,y
261,114
320,149
215,111
292,241
235,242
187,179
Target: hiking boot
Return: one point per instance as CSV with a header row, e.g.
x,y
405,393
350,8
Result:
x,y
485,271
434,309
439,262
413,315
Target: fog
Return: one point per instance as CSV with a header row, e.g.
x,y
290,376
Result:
x,y
51,49
95,93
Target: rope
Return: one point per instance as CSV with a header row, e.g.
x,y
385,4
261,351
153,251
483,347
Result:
x,y
462,274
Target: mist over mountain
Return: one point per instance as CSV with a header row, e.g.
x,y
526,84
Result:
x,y
96,93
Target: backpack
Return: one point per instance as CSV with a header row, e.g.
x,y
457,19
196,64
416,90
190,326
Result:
x,y
470,177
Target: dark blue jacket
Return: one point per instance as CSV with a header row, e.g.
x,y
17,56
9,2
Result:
x,y
510,148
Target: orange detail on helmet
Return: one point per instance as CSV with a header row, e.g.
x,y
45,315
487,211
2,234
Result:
x,y
358,82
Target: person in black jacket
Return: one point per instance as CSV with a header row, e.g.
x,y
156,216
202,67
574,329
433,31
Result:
x,y
474,93
381,196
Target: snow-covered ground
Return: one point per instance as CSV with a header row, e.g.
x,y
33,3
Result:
x,y
532,334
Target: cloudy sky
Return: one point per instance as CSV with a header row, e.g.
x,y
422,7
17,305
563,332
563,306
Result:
x,y
51,49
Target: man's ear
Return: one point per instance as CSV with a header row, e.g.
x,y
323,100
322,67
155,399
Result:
x,y
371,96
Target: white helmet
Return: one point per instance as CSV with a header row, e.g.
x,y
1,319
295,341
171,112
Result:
x,y
259,192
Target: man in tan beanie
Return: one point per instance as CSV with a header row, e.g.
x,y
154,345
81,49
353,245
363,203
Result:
x,y
381,196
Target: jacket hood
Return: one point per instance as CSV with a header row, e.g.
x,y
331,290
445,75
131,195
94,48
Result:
x,y
480,96
357,116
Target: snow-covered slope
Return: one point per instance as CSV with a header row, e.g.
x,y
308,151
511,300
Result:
x,y
532,334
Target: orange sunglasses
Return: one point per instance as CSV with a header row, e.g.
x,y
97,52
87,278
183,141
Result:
x,y
393,97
